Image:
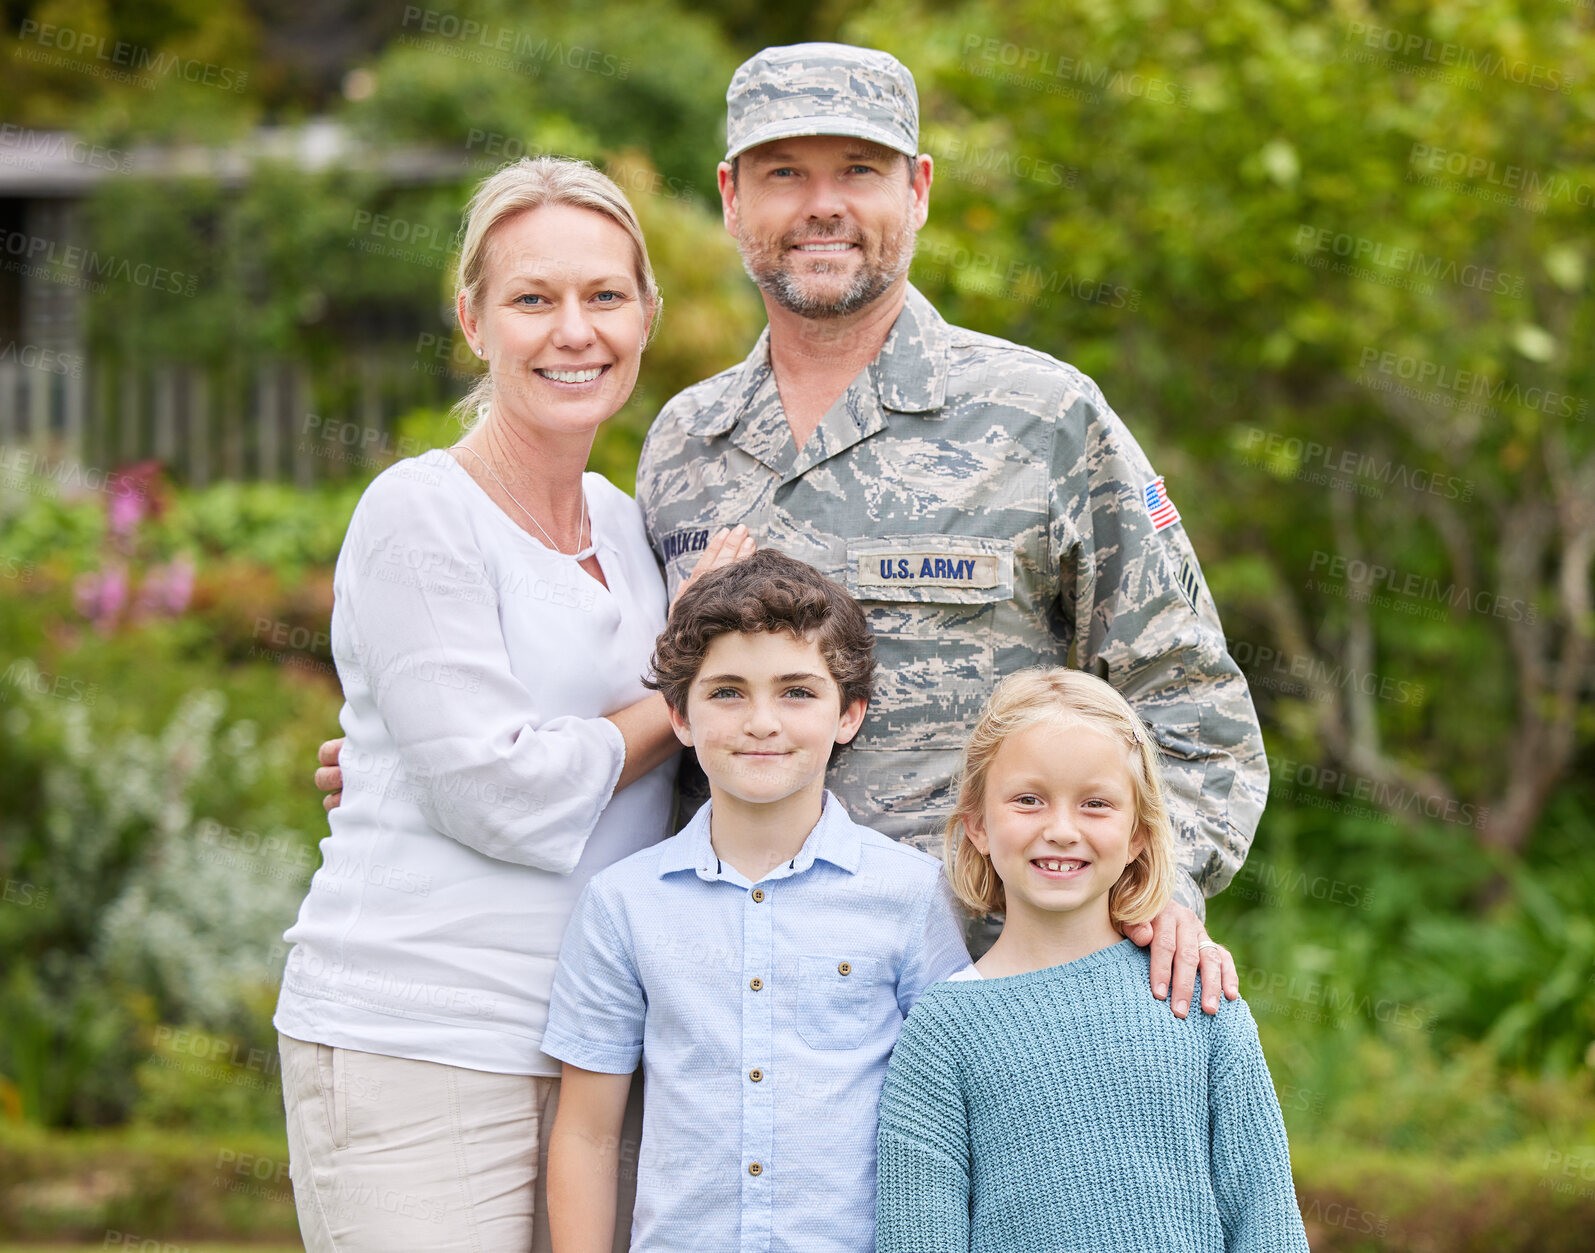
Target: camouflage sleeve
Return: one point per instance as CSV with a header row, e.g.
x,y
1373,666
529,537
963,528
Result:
x,y
1141,617
648,484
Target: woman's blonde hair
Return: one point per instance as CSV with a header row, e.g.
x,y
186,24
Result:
x,y
533,183
1020,701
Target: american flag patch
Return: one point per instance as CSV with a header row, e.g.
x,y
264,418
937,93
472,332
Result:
x,y
1159,505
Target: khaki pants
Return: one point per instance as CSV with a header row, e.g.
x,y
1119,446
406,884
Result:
x,y
388,1154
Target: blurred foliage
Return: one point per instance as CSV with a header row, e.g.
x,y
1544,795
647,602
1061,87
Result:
x,y
150,850
118,72
274,525
557,76
230,1183
1393,971
128,912
278,268
1358,1201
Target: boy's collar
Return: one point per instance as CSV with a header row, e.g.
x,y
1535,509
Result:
x,y
835,838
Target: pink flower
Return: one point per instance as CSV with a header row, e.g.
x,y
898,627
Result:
x,y
166,589
179,584
127,508
102,597
113,592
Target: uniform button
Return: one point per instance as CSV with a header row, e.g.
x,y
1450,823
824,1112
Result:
x,y
755,1169
755,984
755,1075
758,895
846,968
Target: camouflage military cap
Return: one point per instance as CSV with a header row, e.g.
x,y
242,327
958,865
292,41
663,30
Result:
x,y
822,89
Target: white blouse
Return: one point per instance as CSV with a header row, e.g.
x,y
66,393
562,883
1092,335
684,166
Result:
x,y
479,772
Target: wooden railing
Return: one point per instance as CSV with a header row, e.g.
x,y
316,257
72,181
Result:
x,y
268,420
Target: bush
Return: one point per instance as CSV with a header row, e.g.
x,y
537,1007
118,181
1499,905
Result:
x,y
152,855
1360,1202
158,1185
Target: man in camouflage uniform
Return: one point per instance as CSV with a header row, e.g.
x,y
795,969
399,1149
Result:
x,y
981,499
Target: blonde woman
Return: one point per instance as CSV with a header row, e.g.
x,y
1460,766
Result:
x,y
495,608
1041,1100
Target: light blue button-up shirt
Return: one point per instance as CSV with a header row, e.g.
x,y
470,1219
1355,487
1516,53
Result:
x,y
764,1015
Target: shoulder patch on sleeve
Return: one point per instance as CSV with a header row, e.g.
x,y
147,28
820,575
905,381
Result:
x,y
1189,583
1158,505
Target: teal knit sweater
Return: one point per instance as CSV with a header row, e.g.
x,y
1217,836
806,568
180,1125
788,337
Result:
x,y
1066,1109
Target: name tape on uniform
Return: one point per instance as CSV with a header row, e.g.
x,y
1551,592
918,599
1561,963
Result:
x,y
691,540
939,569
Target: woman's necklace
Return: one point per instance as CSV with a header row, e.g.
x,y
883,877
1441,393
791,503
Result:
x,y
581,554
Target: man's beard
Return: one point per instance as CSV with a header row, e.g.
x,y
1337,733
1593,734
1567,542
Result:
x,y
770,266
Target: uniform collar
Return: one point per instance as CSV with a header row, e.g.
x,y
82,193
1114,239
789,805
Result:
x,y
910,373
836,838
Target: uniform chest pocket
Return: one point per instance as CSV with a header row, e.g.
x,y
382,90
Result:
x,y
834,999
930,601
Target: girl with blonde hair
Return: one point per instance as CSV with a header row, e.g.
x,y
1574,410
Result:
x,y
1039,1099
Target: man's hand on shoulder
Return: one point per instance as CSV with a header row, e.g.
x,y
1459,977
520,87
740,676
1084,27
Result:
x,y
1180,945
329,778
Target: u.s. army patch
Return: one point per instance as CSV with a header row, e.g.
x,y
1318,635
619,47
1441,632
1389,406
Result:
x,y
933,569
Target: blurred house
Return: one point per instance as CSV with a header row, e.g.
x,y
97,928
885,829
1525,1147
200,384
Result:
x,y
57,400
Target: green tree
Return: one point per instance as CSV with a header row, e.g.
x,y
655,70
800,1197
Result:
x,y
1360,364
131,72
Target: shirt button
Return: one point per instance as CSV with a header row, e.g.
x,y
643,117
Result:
x,y
846,968
755,984
758,895
755,1075
755,1169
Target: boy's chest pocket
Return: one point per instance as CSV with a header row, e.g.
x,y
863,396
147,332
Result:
x,y
838,997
